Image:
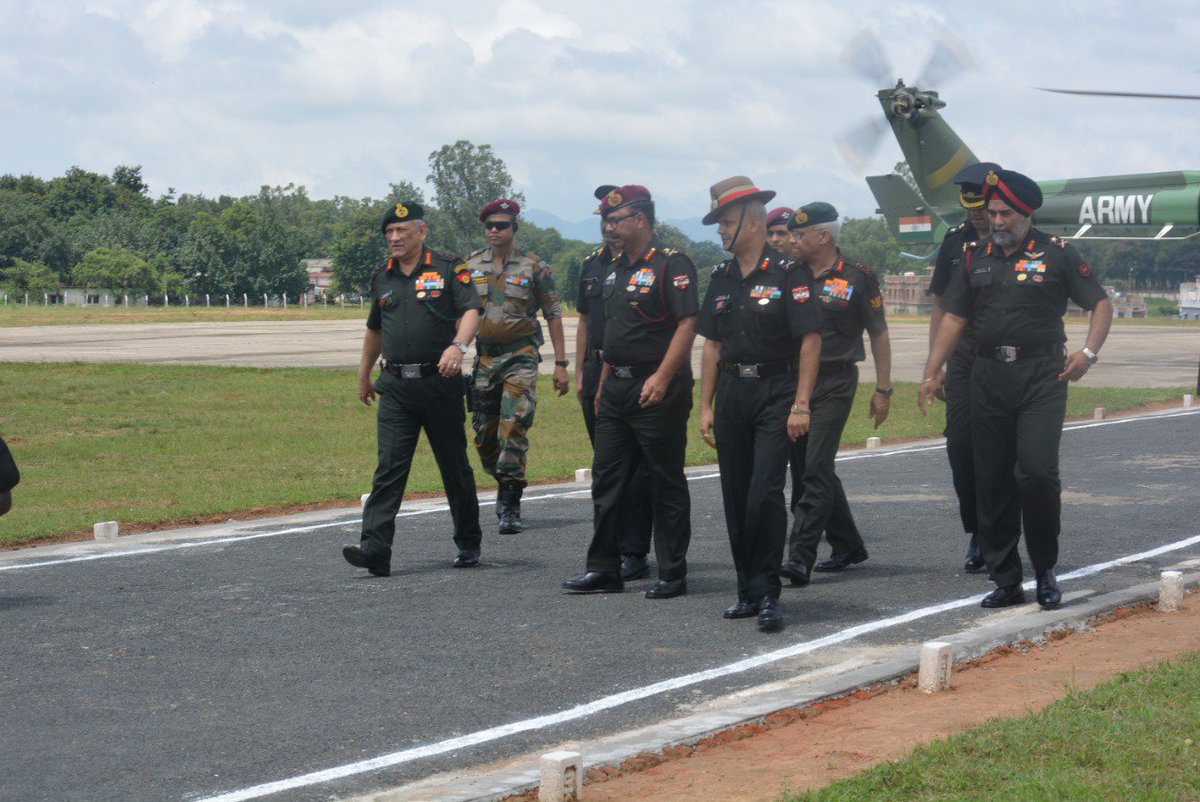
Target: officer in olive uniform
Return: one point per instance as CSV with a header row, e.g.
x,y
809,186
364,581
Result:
x,y
9,477
513,286
958,370
645,396
850,302
1013,289
777,230
589,341
423,313
760,359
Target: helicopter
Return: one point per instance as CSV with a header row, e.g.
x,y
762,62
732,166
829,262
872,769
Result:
x,y
920,208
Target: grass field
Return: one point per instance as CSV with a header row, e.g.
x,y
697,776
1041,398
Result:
x,y
146,445
1134,737
35,315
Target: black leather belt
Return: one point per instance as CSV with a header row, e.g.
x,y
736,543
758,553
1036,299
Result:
x,y
633,371
499,349
834,367
593,353
1011,353
756,370
413,370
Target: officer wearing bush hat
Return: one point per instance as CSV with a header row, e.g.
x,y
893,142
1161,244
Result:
x,y
958,370
589,342
645,396
850,302
1012,289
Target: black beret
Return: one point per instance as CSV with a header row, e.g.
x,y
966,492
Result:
x,y
602,191
811,214
403,212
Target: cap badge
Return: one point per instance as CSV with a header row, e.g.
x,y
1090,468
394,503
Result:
x,y
992,179
801,217
401,211
504,205
614,198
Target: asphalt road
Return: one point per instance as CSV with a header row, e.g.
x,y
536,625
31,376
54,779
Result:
x,y
1134,356
195,668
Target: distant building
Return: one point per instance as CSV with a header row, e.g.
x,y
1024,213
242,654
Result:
x,y
907,294
1125,306
320,277
1189,299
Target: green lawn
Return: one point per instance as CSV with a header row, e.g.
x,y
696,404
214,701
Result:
x,y
1136,737
169,443
36,315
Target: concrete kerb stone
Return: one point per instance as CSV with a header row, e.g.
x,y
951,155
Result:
x,y
1016,625
106,530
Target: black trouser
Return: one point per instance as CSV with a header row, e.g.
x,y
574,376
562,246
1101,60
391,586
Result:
x,y
818,498
625,430
958,436
406,406
639,514
1017,411
752,451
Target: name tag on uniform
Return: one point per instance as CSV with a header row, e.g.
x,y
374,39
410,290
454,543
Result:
x,y
720,302
837,289
479,277
431,281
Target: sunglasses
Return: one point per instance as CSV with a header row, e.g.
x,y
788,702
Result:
x,y
497,225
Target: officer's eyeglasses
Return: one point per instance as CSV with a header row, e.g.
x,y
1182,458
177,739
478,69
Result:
x,y
497,225
613,222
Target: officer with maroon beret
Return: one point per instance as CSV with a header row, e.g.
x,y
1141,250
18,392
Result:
x,y
650,307
1012,289
589,342
777,230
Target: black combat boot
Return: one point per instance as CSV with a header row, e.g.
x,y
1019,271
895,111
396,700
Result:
x,y
510,521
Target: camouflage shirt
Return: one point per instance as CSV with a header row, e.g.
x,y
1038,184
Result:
x,y
512,293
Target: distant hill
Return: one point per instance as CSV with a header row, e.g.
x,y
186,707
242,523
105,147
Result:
x,y
589,230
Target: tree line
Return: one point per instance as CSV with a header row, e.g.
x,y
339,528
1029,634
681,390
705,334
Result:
x,y
85,229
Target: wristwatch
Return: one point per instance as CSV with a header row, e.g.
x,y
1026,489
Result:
x,y
561,363
460,346
885,393
1092,356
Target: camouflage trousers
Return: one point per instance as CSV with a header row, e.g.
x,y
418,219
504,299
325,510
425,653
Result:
x,y
505,400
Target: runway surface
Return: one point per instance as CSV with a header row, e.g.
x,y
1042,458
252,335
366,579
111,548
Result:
x,y
1134,356
187,669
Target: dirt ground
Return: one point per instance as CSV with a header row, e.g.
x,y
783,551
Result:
x,y
813,746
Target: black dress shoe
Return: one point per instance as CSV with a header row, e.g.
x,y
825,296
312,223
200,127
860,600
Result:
x,y
794,572
840,562
359,559
743,609
594,582
634,566
467,558
974,563
1005,596
770,618
1049,595
667,589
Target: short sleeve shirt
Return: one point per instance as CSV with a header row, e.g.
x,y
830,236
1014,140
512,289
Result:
x,y
512,294
417,314
590,301
644,300
1020,299
850,303
763,316
949,259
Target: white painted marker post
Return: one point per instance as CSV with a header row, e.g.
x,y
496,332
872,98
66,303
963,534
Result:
x,y
105,530
1189,401
562,777
1170,591
1100,413
583,475
937,660
874,442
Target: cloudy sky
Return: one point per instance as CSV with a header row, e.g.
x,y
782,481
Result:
x,y
345,97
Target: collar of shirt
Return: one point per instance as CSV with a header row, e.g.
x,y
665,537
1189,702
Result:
x,y
765,259
654,247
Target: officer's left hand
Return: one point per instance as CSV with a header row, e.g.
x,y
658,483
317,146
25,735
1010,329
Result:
x,y
1073,369
880,404
450,364
797,425
562,382
653,390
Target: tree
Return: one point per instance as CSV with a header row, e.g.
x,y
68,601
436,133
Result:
x,y
117,269
868,240
130,179
33,278
27,232
358,248
466,178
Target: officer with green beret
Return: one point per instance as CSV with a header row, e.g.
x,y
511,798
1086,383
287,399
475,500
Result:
x,y
589,342
424,311
9,477
762,344
513,285
1012,288
850,302
957,374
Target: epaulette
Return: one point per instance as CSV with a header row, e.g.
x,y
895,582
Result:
x,y
719,267
1060,242
863,268
956,229
476,253
378,269
533,256
447,257
595,253
668,252
970,246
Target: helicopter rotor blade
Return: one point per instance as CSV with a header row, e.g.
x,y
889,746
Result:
x,y
949,59
864,54
858,144
1119,94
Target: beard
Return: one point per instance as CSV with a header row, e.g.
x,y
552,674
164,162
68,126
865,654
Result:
x,y
1004,238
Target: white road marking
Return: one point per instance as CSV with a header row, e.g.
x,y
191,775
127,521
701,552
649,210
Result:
x,y
108,555
635,694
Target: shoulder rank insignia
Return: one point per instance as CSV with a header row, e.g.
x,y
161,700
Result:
x,y
1060,242
668,252
957,228
476,252
970,246
716,271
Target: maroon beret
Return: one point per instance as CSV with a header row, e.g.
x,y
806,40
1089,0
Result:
x,y
500,206
623,196
779,216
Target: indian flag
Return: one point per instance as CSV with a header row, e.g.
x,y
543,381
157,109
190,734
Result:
x,y
915,228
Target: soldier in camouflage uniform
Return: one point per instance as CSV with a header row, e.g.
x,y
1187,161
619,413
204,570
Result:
x,y
513,286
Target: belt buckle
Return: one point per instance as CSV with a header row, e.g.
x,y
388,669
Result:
x,y
622,372
1006,353
410,371
747,371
